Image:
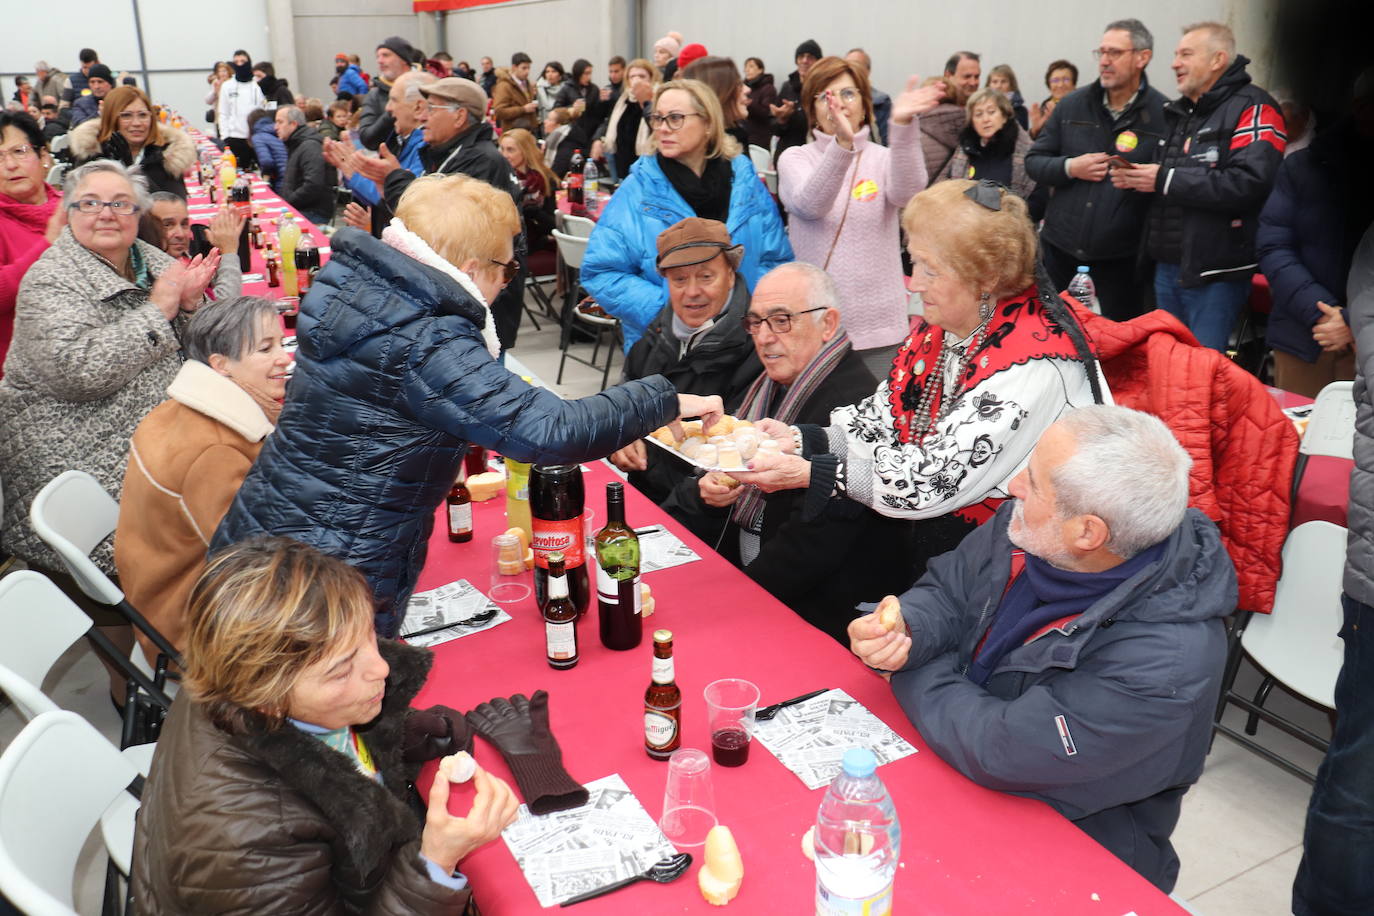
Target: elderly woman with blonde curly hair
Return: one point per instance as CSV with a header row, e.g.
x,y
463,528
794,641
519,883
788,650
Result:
x,y
282,781
397,372
996,359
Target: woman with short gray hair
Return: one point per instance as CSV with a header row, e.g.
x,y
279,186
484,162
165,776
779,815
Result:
x,y
95,345
190,454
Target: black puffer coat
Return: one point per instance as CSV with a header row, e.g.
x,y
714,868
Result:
x,y
1214,178
393,380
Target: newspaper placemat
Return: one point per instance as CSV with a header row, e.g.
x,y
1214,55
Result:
x,y
662,549
459,604
810,738
571,852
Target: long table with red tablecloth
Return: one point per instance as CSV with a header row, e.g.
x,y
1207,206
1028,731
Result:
x,y
965,849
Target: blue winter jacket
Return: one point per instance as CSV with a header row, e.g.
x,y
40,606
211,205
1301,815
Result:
x,y
619,265
392,382
351,81
1302,243
365,189
1106,717
269,149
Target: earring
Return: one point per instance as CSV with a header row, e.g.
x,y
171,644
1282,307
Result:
x,y
985,306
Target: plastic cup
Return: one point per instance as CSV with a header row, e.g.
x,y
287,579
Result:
x,y
730,707
509,581
689,801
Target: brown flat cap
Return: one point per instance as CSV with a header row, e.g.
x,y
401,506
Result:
x,y
459,91
693,241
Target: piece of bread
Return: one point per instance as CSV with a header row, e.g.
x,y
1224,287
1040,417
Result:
x,y
664,434
525,550
646,600
459,767
722,427
728,456
486,485
722,874
889,613
727,480
808,843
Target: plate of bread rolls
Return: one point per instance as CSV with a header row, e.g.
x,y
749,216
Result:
x,y
726,446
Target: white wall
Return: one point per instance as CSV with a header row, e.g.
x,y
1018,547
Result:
x,y
176,35
326,27
561,30
904,38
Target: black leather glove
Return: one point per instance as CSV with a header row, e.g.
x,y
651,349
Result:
x,y
519,729
434,732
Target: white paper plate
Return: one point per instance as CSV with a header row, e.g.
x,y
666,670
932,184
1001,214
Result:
x,y
692,461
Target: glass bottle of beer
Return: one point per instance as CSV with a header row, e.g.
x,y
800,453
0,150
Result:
x,y
459,502
560,617
662,702
556,502
617,575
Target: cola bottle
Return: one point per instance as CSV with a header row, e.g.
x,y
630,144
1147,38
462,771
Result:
x,y
556,503
576,195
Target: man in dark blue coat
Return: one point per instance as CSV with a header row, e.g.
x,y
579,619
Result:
x,y
1071,648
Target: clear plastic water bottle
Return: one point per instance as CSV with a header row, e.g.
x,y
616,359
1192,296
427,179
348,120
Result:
x,y
858,841
1082,288
591,184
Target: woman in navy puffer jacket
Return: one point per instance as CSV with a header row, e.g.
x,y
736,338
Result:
x,y
267,146
397,373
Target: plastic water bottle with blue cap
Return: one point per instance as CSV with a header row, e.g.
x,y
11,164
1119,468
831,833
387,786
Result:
x,y
1082,288
858,841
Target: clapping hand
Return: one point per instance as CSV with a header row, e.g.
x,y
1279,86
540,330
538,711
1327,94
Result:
x,y
200,272
839,121
783,110
225,228
378,167
916,100
358,216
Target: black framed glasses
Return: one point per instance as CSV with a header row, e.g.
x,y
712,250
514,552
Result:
x,y
674,120
511,268
91,206
778,322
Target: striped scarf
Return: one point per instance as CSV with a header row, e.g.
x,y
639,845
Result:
x,y
748,511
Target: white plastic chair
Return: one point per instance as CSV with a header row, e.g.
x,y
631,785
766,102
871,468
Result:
x,y
763,164
72,514
572,249
1331,425
56,780
579,226
1297,646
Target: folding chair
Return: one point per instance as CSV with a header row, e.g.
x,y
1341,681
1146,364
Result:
x,y
57,778
763,164
1330,428
572,249
1296,646
579,226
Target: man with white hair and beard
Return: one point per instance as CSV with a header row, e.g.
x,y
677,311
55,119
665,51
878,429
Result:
x,y
1071,648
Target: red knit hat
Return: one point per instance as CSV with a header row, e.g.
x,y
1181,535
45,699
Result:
x,y
690,53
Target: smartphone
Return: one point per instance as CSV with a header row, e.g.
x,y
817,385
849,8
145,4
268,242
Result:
x,y
1120,162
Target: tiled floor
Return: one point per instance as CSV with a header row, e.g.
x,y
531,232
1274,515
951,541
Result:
x,y
1240,836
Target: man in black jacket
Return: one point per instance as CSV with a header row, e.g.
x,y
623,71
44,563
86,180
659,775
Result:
x,y
375,126
306,184
789,115
459,141
1223,152
820,567
696,341
1089,221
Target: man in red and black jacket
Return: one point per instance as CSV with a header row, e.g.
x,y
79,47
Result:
x,y
1225,145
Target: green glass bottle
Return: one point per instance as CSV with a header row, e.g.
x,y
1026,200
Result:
x,y
617,575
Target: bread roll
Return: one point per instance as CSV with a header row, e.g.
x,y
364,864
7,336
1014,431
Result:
x,y
722,875
485,485
664,434
722,427
459,767
728,456
889,613
707,456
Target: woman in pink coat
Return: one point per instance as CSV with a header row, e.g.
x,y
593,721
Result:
x,y
29,215
844,194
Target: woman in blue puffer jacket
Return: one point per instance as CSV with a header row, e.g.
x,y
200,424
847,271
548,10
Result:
x,y
397,373
698,171
267,146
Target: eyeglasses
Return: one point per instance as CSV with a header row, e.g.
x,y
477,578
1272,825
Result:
x,y
90,206
432,107
779,322
135,116
1061,81
1110,54
18,153
847,94
674,120
511,268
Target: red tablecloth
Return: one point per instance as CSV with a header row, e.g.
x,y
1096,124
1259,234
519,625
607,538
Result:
x,y
593,214
965,849
1324,491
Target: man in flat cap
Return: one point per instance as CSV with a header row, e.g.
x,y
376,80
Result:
x,y
697,341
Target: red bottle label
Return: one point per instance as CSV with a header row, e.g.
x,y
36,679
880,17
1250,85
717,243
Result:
x,y
563,535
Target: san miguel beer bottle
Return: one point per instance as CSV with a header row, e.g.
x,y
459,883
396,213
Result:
x,y
556,501
560,618
662,702
617,575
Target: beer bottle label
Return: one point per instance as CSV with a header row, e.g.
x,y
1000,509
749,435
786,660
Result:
x,y
558,587
561,640
659,728
561,535
460,518
663,670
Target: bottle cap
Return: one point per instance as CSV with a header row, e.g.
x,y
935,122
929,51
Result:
x,y
859,762
555,556
663,635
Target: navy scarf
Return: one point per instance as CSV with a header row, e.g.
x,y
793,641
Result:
x,y
1041,595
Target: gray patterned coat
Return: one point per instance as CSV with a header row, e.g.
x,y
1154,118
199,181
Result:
x,y
91,355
